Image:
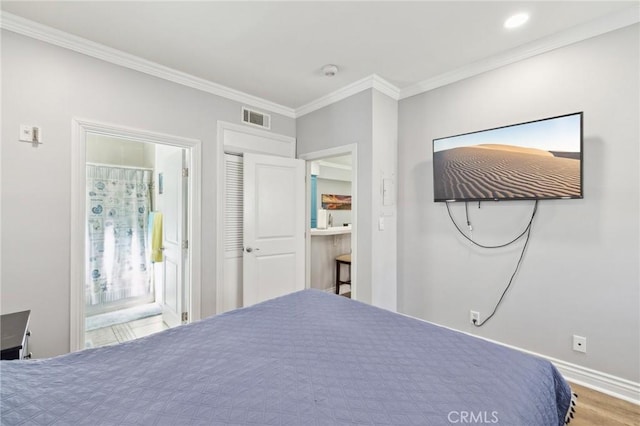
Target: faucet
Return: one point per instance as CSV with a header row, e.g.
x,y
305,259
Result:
x,y
330,220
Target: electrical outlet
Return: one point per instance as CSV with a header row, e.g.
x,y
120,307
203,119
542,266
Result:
x,y
579,344
474,317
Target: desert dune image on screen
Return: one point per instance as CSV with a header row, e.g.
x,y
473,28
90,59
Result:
x,y
540,159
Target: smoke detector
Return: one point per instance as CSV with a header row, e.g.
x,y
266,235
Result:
x,y
330,70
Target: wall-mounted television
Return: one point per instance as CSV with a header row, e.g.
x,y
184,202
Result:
x,y
536,160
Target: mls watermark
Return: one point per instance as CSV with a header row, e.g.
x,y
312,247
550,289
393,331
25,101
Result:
x,y
473,417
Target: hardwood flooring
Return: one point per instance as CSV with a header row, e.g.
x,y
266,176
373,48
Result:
x,y
597,409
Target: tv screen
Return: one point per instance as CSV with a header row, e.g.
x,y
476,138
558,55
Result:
x,y
535,160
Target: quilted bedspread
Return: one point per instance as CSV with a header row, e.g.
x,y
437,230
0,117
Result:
x,y
309,358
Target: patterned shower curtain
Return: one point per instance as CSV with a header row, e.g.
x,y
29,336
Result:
x,y
118,205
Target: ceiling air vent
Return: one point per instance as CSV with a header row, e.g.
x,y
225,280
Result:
x,y
256,118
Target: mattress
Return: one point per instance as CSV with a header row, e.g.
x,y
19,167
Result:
x,y
308,358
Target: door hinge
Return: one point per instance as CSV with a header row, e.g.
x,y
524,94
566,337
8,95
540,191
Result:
x,y
185,172
185,244
185,316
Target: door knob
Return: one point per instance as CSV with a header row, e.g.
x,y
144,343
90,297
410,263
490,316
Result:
x,y
249,249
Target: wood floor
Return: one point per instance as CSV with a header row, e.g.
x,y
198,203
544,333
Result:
x,y
597,409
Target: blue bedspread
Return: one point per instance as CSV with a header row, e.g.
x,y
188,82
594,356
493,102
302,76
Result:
x,y
309,358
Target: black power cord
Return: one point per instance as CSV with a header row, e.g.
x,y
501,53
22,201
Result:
x,y
526,231
535,208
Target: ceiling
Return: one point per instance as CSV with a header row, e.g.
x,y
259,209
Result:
x,y
275,50
341,160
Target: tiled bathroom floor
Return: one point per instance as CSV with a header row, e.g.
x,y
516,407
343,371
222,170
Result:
x,y
119,333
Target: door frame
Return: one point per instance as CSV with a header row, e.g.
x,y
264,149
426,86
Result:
x,y
309,157
238,139
80,128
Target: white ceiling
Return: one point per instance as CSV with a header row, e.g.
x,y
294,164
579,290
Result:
x,y
341,160
275,50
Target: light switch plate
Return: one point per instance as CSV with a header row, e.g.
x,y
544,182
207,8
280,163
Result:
x,y
26,133
32,134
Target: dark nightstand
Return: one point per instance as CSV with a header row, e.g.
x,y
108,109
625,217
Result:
x,y
15,335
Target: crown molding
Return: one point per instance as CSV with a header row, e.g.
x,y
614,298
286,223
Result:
x,y
59,38
576,34
572,35
383,86
371,82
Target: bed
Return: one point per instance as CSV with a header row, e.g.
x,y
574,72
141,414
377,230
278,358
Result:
x,y
308,358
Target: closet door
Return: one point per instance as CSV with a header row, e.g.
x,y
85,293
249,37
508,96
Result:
x,y
274,227
233,203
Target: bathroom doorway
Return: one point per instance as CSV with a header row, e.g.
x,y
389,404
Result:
x,y
128,183
135,233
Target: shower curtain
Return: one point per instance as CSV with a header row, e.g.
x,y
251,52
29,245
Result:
x,y
118,205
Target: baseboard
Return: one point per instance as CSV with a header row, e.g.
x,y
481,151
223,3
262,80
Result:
x,y
599,381
614,386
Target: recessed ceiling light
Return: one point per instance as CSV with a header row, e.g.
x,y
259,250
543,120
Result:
x,y
516,20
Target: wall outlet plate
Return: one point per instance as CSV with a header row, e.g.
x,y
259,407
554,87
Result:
x,y
474,315
579,344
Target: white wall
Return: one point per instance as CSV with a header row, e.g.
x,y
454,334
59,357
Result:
x,y
119,152
581,270
368,119
343,123
385,166
46,86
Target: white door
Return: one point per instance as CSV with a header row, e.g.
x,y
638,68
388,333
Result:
x,y
274,226
171,202
233,233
